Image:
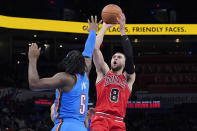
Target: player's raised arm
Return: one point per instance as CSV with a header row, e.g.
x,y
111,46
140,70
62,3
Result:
x,y
128,51
90,42
37,84
101,66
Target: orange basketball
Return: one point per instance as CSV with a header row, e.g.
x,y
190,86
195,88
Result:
x,y
110,13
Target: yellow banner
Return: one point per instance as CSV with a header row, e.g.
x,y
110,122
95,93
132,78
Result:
x,y
79,27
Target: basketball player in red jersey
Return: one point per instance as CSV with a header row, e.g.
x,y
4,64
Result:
x,y
113,86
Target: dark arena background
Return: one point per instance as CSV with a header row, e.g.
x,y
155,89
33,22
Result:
x,y
164,96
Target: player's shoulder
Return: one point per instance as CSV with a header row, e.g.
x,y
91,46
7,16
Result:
x,y
101,76
63,74
68,80
66,77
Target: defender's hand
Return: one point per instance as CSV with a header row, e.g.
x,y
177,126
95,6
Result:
x,y
93,25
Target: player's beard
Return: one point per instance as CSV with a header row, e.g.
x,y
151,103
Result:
x,y
116,68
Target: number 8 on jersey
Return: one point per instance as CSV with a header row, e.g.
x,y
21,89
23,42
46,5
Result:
x,y
114,95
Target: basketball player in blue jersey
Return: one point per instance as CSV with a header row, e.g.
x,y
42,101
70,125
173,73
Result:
x,y
71,86
88,117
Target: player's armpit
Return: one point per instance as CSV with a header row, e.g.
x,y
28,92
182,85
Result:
x,y
130,79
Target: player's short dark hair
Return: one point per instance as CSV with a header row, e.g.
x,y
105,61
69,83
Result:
x,y
120,53
73,63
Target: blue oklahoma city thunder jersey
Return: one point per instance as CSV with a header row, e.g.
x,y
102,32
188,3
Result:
x,y
72,104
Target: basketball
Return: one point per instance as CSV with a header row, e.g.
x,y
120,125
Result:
x,y
110,13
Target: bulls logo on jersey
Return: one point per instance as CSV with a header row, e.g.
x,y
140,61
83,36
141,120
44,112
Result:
x,y
115,80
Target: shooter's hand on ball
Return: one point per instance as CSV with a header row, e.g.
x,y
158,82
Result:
x,y
107,26
122,22
34,52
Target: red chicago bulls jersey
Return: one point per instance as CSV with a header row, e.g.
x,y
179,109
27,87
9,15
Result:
x,y
112,95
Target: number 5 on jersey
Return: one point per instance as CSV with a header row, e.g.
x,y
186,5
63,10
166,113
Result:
x,y
82,104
